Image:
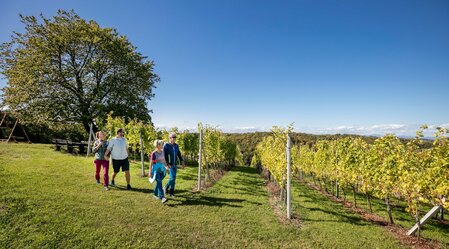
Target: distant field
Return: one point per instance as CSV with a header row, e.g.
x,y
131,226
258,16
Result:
x,y
49,199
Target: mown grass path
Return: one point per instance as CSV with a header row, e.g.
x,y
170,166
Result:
x,y
49,199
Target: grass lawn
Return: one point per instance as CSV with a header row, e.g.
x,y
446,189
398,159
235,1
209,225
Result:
x,y
49,199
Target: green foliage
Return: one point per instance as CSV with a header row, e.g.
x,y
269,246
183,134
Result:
x,y
189,145
437,176
132,128
218,151
68,70
387,168
249,141
385,156
412,174
271,153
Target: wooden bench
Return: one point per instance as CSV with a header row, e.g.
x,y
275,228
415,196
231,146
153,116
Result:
x,y
70,145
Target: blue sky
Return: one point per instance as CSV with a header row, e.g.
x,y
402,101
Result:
x,y
365,67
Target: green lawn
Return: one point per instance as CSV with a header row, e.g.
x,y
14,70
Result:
x,y
49,199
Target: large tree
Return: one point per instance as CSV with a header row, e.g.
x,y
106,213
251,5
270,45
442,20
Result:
x,y
69,70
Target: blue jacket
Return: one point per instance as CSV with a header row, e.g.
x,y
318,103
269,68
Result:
x,y
171,153
158,171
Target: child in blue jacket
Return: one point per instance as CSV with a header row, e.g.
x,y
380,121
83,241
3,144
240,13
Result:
x,y
158,169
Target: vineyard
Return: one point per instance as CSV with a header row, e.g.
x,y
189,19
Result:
x,y
384,170
219,153
238,208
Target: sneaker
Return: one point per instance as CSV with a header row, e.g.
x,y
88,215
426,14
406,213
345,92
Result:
x,y
128,187
98,181
164,200
155,197
112,183
106,188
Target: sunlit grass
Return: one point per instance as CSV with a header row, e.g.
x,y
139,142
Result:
x,y
50,199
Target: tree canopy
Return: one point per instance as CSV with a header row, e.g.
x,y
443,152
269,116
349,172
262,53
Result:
x,y
69,70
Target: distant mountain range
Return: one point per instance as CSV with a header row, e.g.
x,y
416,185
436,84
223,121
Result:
x,y
399,136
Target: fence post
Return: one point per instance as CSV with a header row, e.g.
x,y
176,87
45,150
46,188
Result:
x,y
142,155
337,193
336,186
200,158
89,143
289,198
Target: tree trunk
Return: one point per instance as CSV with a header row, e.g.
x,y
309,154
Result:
x,y
325,185
285,193
282,194
368,201
333,189
86,118
87,126
336,188
207,175
419,225
387,201
354,196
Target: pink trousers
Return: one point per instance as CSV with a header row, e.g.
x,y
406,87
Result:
x,y
105,164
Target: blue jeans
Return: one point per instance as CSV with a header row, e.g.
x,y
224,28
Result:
x,y
172,181
159,170
158,191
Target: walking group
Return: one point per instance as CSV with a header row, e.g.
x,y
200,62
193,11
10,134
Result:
x,y
162,160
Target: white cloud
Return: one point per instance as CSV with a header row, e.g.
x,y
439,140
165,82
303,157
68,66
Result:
x,y
364,130
245,129
371,130
180,128
378,129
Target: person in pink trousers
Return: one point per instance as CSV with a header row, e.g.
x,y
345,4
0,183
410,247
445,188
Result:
x,y
99,149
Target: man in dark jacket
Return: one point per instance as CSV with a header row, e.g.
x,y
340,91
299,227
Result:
x,y
172,153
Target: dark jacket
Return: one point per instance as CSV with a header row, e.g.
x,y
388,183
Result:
x,y
171,153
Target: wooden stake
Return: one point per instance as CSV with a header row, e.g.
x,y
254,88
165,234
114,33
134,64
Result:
x,y
3,119
200,154
90,141
24,132
289,197
10,135
142,154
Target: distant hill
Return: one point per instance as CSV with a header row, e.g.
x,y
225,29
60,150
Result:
x,y
248,141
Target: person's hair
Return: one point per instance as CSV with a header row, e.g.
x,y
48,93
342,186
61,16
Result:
x,y
98,133
158,142
172,135
119,130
